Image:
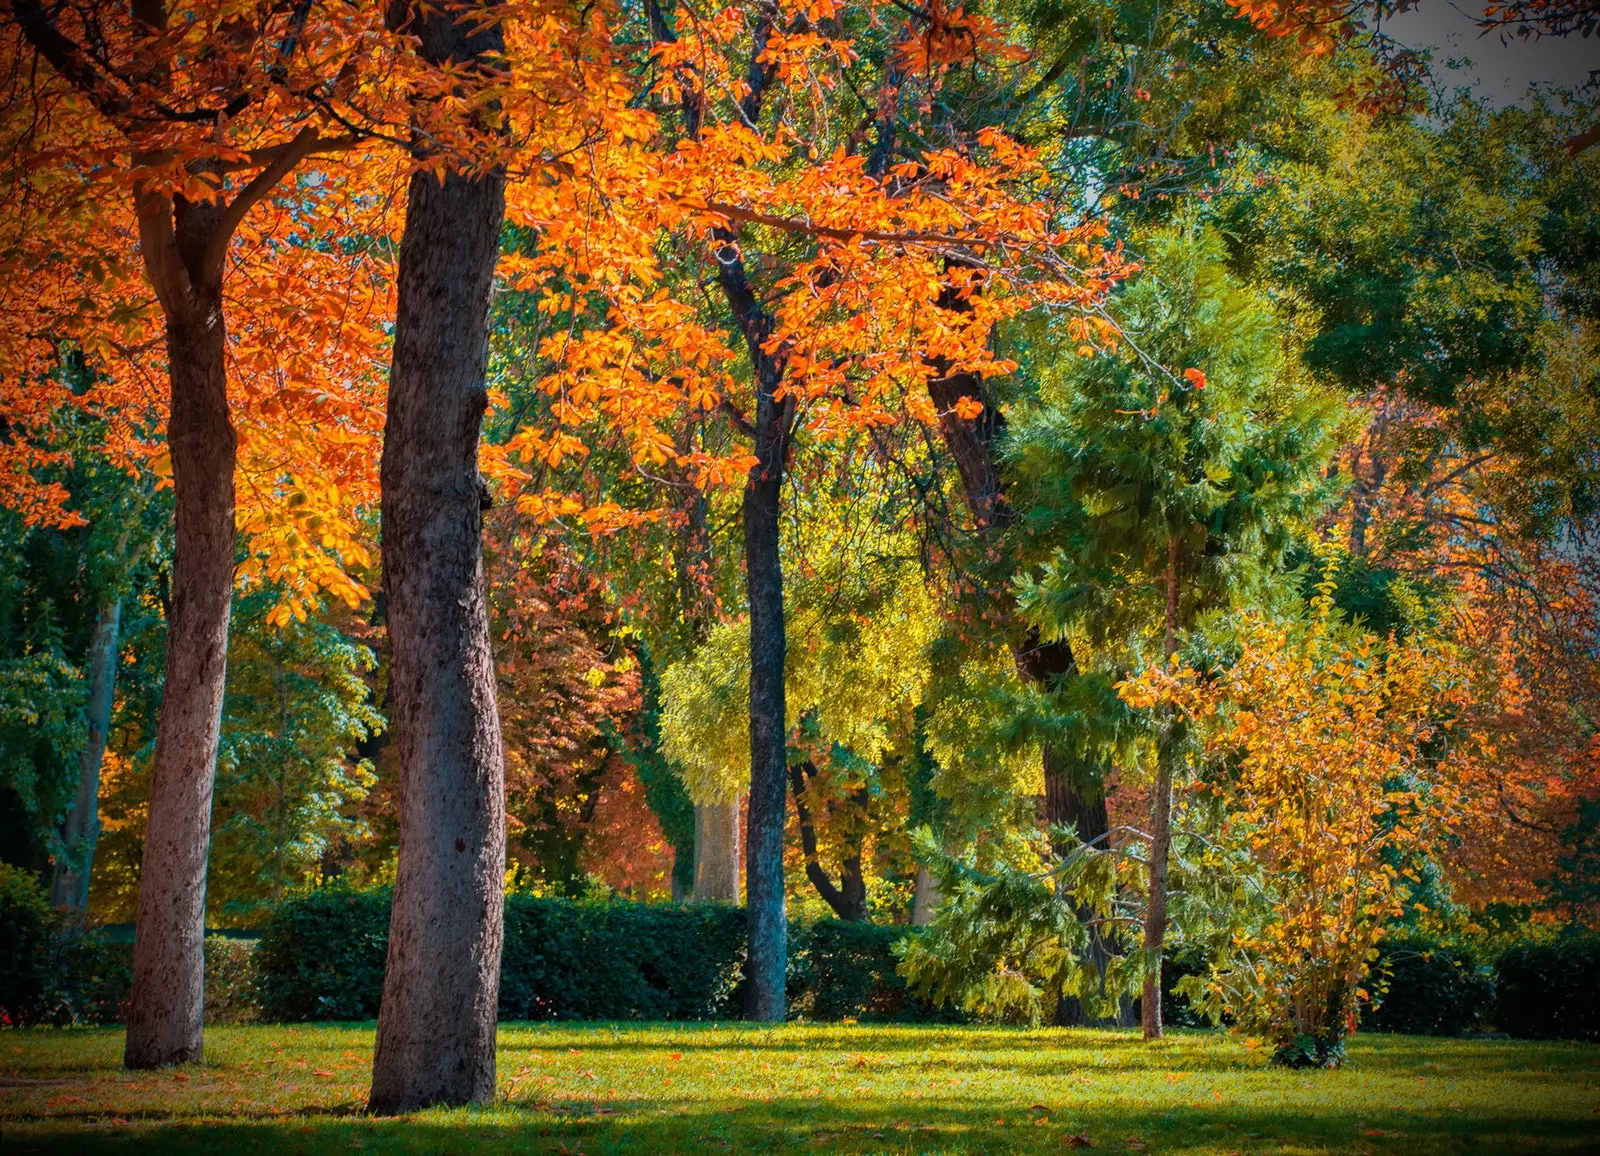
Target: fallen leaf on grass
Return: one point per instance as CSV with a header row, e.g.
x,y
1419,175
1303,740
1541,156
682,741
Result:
x,y
324,1073
1372,1133
1081,1140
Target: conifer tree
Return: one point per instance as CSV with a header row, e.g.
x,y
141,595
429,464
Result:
x,y
1157,484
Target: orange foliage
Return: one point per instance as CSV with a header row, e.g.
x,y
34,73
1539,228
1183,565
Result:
x,y
1336,786
216,108
854,299
1524,615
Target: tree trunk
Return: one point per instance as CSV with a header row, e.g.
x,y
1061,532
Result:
x,y
849,899
925,898
974,444
767,961
166,1009
1066,806
717,857
436,1023
69,884
1155,917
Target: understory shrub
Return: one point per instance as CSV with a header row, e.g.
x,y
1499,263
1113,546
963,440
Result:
x,y
54,969
1427,989
1550,991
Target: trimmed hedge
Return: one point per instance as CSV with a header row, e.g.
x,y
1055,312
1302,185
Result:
x,y
1550,991
840,970
321,957
1432,990
614,960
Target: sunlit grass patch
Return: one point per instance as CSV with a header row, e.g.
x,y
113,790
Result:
x,y
597,1088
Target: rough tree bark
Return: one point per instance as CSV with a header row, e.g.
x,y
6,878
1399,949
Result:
x,y
436,1022
767,961
69,882
167,1005
717,852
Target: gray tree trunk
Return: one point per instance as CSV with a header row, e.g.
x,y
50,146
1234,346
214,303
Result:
x,y
69,882
924,899
717,854
767,962
166,1010
441,984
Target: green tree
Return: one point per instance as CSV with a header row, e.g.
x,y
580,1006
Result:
x,y
297,707
1156,485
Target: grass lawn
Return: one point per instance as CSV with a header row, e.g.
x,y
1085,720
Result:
x,y
594,1088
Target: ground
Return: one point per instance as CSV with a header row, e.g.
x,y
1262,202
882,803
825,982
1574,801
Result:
x,y
595,1088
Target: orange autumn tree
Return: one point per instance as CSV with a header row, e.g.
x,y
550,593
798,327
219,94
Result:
x,y
168,170
1339,761
1458,528
806,243
569,701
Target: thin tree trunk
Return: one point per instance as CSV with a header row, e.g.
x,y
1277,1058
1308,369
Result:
x,y
1155,919
717,854
436,1023
166,1010
849,899
925,898
767,961
69,883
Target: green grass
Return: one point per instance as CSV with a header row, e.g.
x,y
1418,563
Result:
x,y
800,1088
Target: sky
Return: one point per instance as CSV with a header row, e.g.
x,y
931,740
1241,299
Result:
x,y
1498,67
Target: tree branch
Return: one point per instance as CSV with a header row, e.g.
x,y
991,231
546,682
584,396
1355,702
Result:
x,y
263,183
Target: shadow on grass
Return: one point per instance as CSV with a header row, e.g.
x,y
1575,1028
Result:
x,y
822,1125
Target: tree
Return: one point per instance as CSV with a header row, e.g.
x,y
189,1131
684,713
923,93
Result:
x,y
195,117
1154,499
1344,758
60,619
436,1027
828,333
288,780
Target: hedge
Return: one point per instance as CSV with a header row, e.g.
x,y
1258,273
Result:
x,y
840,970
1550,991
1428,990
53,968
321,957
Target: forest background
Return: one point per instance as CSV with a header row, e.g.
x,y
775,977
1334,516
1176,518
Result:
x,y
1090,378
